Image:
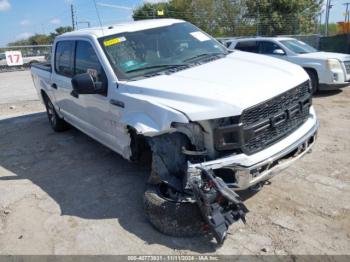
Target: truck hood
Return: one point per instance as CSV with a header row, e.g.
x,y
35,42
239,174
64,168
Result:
x,y
221,88
326,55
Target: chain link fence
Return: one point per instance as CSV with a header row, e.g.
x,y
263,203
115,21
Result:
x,y
14,58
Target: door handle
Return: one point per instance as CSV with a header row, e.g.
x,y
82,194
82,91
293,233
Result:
x,y
117,103
54,86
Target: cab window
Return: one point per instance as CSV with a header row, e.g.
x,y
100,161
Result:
x,y
247,46
86,61
64,58
266,47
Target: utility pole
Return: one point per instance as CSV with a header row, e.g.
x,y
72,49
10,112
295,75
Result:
x,y
73,16
347,24
347,15
328,9
257,18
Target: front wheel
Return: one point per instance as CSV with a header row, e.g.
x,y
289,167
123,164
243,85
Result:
x,y
170,215
314,80
57,123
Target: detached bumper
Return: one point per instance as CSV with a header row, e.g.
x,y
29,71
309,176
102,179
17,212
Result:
x,y
247,171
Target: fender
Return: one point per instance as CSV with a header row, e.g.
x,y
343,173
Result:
x,y
150,119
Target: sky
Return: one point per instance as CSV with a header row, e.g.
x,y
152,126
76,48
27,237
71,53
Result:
x,y
22,18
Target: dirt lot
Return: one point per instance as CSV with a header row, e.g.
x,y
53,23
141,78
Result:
x,y
67,194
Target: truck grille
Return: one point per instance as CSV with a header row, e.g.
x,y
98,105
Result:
x,y
272,120
347,66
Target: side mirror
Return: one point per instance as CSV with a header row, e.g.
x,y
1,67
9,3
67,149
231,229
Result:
x,y
278,52
84,84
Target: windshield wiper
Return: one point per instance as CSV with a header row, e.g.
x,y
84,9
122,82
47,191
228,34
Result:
x,y
165,66
205,55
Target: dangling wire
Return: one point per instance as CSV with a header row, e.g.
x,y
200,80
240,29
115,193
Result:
x,y
98,16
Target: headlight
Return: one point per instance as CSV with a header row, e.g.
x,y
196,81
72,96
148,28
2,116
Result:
x,y
333,64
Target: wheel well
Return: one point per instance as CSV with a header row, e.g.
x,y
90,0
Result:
x,y
138,145
308,69
43,95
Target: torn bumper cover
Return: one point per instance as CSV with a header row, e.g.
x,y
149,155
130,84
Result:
x,y
219,205
248,171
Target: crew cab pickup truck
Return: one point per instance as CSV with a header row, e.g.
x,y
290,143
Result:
x,y
214,121
327,71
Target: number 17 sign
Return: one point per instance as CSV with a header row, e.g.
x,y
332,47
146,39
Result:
x,y
14,58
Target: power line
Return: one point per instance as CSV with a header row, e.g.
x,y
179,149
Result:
x,y
98,16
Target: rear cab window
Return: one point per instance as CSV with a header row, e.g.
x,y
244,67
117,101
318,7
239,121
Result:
x,y
64,58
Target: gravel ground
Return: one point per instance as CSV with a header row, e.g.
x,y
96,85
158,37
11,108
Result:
x,y
67,194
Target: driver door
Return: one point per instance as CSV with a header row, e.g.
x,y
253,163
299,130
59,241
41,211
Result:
x,y
103,117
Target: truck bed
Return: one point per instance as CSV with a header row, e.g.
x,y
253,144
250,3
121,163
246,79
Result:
x,y
43,66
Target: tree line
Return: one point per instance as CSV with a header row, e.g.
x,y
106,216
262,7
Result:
x,y
224,17
239,17
42,39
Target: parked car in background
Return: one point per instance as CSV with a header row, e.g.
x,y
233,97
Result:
x,y
27,59
2,57
327,71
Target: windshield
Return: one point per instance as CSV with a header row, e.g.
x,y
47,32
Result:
x,y
298,47
140,53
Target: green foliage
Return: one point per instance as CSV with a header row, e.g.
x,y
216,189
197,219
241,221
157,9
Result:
x,y
240,17
40,39
332,29
285,16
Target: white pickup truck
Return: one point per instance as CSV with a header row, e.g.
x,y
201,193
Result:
x,y
327,71
214,121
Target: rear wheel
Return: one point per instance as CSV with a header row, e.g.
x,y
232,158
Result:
x,y
314,80
172,214
57,123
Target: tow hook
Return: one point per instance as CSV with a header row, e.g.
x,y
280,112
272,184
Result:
x,y
219,205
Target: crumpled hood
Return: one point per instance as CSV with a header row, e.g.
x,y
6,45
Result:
x,y
327,55
221,88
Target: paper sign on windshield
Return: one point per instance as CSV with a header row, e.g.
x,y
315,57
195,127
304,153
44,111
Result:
x,y
114,41
14,58
200,36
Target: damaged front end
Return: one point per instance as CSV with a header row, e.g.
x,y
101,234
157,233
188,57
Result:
x,y
219,205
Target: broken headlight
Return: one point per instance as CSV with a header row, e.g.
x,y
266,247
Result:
x,y
227,133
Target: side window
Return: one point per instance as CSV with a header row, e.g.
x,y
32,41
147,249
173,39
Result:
x,y
86,61
266,47
64,58
247,46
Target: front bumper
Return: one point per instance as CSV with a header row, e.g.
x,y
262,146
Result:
x,y
334,86
251,170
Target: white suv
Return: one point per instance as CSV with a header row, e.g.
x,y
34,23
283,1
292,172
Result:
x,y
327,71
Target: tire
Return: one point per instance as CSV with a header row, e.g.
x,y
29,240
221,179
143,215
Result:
x,y
179,219
314,80
57,123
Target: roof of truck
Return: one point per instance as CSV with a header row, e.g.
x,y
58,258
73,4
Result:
x,y
123,27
